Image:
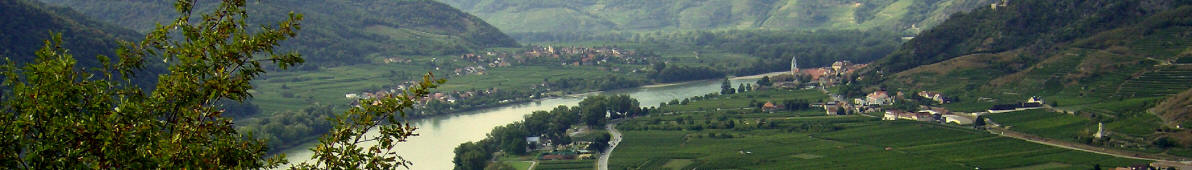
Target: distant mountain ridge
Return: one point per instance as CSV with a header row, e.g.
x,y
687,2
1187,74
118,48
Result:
x,y
518,16
335,31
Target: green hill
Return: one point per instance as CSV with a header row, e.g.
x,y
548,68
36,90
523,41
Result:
x,y
337,31
1102,61
27,25
520,16
1090,50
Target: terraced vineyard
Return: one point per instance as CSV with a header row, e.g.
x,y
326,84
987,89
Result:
x,y
571,164
1161,82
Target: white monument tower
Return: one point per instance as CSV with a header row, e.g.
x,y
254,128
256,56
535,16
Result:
x,y
1100,131
794,66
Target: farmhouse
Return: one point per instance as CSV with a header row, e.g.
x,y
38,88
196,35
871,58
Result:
x,y
917,116
877,98
937,97
957,119
769,107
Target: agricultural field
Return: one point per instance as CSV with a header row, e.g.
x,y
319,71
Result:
x,y
1046,124
291,90
565,164
863,145
283,91
704,138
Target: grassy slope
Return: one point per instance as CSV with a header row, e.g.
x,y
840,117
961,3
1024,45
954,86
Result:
x,y
1177,108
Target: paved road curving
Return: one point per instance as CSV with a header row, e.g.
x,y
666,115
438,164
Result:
x,y
616,139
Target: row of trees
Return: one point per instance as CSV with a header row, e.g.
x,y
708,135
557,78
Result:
x,y
666,74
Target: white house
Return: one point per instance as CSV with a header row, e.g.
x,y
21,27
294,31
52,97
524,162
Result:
x,y
878,98
1035,99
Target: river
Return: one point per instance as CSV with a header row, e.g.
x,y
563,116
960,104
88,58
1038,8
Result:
x,y
438,136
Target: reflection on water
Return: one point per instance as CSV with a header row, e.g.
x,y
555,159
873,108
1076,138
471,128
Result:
x,y
438,136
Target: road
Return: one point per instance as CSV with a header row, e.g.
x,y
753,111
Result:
x,y
612,130
1167,160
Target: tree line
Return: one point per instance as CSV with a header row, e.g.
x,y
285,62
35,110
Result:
x,y
593,111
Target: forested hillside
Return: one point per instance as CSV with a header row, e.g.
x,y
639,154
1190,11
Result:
x,y
1098,49
27,24
1102,61
337,32
522,16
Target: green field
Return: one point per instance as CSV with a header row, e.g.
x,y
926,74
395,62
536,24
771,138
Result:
x,y
294,90
565,164
811,141
912,146
1046,124
520,165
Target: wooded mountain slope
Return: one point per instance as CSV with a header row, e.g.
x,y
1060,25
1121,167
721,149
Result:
x,y
336,31
26,25
1089,55
518,16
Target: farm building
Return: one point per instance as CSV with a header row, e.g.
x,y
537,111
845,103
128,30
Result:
x,y
957,119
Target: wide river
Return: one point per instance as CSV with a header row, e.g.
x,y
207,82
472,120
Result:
x,y
438,136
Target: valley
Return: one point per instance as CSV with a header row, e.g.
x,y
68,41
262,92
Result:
x,y
608,84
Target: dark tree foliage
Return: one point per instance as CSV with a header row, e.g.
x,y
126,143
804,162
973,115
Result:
x,y
341,32
551,125
64,117
601,142
685,73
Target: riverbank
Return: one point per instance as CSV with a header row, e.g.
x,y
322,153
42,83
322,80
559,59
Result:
x,y
441,134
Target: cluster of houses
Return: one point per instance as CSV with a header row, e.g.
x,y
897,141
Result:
x,y
934,96
470,70
577,56
570,151
872,102
450,97
830,75
944,116
390,60
1034,102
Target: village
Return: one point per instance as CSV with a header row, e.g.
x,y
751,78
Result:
x,y
881,100
479,63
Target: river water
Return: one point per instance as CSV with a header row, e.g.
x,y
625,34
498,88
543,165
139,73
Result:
x,y
438,136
